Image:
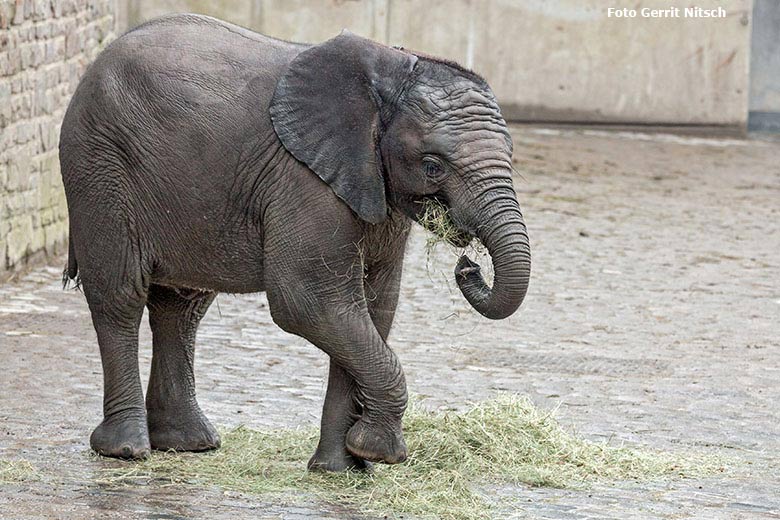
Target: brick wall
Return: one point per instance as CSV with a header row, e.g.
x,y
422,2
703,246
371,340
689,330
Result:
x,y
45,46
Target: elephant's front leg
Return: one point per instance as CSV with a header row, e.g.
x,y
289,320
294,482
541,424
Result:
x,y
351,340
381,390
341,409
343,329
339,413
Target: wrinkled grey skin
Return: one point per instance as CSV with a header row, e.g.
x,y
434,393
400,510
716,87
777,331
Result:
x,y
199,157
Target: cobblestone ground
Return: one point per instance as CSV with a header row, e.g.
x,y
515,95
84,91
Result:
x,y
652,319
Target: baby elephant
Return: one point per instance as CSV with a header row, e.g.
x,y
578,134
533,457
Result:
x,y
199,157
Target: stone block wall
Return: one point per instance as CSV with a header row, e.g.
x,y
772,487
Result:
x,y
45,47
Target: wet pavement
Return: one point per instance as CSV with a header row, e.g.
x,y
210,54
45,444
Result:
x,y
652,319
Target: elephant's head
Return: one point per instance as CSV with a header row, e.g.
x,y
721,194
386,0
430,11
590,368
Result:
x,y
388,128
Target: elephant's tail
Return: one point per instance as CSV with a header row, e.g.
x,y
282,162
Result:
x,y
71,271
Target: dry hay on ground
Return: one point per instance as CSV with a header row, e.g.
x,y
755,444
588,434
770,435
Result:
x,y
451,457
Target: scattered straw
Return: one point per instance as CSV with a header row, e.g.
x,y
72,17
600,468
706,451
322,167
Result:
x,y
452,455
15,471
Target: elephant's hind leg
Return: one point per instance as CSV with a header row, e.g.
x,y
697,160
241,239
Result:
x,y
123,431
175,419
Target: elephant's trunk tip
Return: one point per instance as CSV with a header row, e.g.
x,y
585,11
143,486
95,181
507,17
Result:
x,y
506,239
468,275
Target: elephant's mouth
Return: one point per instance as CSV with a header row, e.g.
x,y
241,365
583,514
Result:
x,y
433,214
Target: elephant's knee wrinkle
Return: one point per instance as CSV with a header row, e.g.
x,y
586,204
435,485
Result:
x,y
317,322
292,321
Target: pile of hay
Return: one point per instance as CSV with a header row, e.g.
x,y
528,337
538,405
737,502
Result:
x,y
15,471
451,455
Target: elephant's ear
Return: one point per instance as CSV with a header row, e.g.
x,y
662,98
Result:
x,y
326,111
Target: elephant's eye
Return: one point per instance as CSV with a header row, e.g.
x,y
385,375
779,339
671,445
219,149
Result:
x,y
433,167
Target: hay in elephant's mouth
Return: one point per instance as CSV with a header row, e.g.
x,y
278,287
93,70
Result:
x,y
435,217
16,471
453,459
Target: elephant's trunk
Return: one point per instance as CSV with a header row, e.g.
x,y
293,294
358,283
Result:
x,y
502,230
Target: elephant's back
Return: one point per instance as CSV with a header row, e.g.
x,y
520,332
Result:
x,y
183,66
200,52
182,94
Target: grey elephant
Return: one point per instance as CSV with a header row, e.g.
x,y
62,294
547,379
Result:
x,y
199,157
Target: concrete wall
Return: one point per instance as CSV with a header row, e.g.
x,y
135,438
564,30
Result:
x,y
567,61
45,46
547,60
765,67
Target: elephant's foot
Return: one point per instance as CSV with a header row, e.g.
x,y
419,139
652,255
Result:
x,y
336,460
123,435
376,443
182,430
